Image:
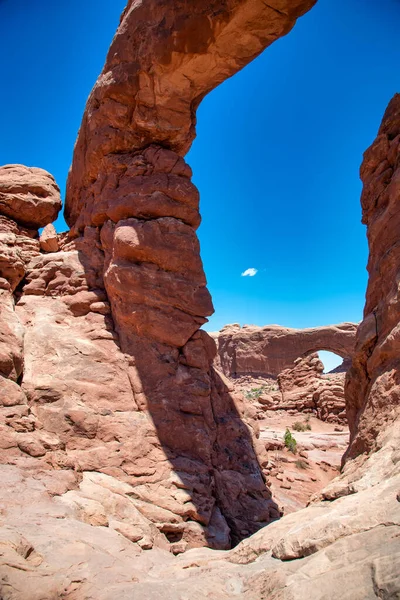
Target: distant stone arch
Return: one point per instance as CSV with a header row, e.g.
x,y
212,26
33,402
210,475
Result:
x,y
266,351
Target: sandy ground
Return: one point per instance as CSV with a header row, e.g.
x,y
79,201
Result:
x,y
294,478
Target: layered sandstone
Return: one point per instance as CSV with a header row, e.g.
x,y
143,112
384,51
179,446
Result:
x,y
267,351
373,387
305,388
80,409
162,62
119,439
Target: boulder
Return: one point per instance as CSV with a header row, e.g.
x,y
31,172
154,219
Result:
x,y
28,195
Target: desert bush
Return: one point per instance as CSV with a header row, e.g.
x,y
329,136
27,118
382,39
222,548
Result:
x,y
301,464
254,393
290,442
299,426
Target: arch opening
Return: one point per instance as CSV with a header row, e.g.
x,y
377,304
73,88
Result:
x,y
333,363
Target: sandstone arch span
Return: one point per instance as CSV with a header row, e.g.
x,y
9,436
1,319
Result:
x,y
129,180
165,57
266,351
130,184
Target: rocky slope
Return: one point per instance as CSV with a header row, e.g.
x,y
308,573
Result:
x,y
302,389
119,440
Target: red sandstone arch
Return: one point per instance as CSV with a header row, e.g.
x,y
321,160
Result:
x,y
129,179
266,351
165,57
163,60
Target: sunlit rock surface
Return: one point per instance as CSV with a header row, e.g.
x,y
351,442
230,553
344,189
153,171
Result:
x,y
120,443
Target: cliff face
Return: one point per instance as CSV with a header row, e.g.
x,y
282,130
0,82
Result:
x,y
117,434
372,389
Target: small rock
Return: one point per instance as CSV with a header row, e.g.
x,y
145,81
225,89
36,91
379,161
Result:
x,y
48,239
31,446
178,547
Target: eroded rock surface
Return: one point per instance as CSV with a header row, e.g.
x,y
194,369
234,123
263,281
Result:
x,y
157,418
28,195
119,440
373,384
305,388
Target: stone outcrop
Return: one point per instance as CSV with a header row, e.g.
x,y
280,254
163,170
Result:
x,y
305,388
117,434
267,351
49,239
28,195
80,408
373,387
301,389
35,190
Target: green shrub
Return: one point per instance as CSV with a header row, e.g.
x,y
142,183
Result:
x,y
290,442
298,426
254,393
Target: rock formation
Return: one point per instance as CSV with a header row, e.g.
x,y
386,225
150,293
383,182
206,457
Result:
x,y
117,433
267,351
373,386
80,408
304,388
148,93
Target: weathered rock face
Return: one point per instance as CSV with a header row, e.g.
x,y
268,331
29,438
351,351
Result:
x,y
373,384
155,423
267,351
122,436
162,434
130,182
305,388
152,84
28,196
17,246
49,239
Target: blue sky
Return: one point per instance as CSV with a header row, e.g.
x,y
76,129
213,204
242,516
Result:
x,y
276,157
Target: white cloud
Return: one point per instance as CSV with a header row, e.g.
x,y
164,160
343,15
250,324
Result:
x,y
249,272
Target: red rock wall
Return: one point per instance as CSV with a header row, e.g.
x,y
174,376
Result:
x,y
373,384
